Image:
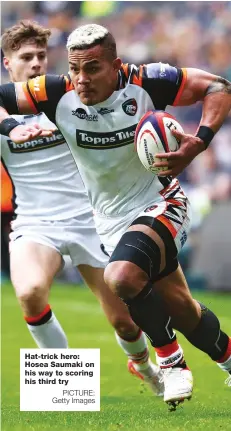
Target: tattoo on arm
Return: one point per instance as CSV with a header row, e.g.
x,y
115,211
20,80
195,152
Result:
x,y
221,85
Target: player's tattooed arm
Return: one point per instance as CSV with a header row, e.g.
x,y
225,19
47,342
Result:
x,y
216,103
215,94
221,85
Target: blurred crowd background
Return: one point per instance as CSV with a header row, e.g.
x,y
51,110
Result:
x,y
186,34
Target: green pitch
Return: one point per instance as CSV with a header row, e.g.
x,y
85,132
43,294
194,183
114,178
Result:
x,y
125,403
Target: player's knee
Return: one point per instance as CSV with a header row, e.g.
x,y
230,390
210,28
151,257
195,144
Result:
x,y
125,327
124,278
31,294
135,260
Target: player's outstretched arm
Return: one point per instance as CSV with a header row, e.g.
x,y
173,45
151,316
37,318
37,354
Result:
x,y
9,104
215,93
19,133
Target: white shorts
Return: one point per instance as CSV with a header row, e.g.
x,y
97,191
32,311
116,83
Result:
x,y
172,211
75,237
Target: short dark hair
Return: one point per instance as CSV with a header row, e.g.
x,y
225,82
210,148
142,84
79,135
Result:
x,y
25,31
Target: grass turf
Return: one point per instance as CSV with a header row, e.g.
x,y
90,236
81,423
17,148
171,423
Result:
x,y
126,404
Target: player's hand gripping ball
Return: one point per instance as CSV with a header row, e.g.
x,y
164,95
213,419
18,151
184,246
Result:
x,y
153,135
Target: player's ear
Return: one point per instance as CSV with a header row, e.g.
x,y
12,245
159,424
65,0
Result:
x,y
117,64
6,63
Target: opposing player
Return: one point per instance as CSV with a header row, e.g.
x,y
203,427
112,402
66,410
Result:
x,y
54,217
142,219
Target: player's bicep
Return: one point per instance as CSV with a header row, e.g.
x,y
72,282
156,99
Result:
x,y
195,87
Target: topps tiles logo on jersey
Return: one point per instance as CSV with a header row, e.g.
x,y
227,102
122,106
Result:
x,y
82,115
37,144
130,107
105,141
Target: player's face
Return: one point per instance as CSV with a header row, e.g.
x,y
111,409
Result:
x,y
29,61
93,74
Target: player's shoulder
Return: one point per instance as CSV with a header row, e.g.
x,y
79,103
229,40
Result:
x,y
137,75
44,86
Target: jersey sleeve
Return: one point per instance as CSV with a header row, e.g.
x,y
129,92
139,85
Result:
x,y
163,83
8,98
44,92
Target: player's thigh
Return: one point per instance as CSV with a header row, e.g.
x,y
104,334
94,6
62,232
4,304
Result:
x,y
33,265
139,256
166,223
112,305
151,244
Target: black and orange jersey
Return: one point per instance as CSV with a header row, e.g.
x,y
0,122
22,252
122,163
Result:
x,y
163,83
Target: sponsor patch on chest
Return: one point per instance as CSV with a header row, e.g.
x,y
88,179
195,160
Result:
x,y
101,141
37,144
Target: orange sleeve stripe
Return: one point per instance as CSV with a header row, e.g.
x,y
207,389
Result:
x,y
141,74
168,224
182,85
69,85
29,99
38,88
125,69
34,319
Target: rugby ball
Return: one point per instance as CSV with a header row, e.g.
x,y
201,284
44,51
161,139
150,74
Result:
x,y
153,135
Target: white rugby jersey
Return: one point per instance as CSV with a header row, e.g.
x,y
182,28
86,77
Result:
x,y
46,181
101,137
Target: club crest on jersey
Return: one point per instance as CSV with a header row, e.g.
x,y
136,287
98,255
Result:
x,y
82,115
130,107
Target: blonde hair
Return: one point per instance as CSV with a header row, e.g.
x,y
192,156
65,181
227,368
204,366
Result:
x,y
90,35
